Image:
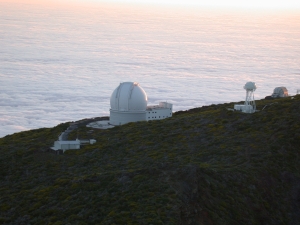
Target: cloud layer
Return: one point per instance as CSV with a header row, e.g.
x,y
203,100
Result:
x,y
62,64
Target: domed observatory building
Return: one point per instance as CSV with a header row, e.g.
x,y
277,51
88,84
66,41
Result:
x,y
280,92
128,103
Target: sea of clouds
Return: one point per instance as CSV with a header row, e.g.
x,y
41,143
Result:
x,y
61,63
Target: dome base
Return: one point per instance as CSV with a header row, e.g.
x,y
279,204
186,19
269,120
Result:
x,y
123,117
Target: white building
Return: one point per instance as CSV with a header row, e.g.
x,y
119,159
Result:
x,y
249,105
71,144
280,92
128,103
158,112
66,145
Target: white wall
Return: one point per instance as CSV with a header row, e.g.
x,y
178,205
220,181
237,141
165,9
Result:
x,y
64,145
244,108
162,111
120,118
158,114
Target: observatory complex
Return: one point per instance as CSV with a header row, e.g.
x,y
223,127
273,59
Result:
x,y
128,103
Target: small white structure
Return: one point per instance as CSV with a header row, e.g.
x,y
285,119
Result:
x,y
280,92
63,144
92,141
66,145
249,106
128,103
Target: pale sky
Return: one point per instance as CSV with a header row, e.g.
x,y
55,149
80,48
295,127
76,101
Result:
x,y
231,4
274,4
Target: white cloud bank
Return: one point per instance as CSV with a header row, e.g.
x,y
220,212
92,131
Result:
x,y
62,65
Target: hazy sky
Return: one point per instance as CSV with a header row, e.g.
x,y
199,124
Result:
x,y
256,4
225,3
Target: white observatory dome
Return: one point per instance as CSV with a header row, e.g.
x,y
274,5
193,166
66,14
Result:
x,y
280,92
128,96
250,86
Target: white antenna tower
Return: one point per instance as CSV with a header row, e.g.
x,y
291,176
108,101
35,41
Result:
x,y
249,106
250,87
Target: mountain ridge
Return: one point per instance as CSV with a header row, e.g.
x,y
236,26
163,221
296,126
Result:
x,y
206,165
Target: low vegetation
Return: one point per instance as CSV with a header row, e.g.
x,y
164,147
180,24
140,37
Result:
x,y
205,166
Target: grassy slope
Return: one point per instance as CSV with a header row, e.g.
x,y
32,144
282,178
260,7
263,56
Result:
x,y
203,166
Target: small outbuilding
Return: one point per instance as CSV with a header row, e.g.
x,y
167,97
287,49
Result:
x,y
66,145
71,144
280,92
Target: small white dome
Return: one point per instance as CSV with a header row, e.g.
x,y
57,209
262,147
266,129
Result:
x,y
250,86
128,96
280,92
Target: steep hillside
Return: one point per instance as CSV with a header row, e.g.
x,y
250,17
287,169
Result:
x,y
204,166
